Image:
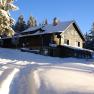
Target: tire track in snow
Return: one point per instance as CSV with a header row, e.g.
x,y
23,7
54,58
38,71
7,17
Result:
x,y
2,69
6,79
5,74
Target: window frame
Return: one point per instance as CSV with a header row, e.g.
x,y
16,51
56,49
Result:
x,y
66,41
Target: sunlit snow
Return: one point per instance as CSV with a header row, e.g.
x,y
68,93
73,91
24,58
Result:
x,y
28,73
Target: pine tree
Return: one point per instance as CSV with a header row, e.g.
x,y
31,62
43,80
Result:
x,y
5,19
86,36
92,31
46,22
31,22
55,21
89,43
35,22
20,24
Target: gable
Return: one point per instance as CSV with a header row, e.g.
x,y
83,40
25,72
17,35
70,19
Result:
x,y
73,30
78,30
73,36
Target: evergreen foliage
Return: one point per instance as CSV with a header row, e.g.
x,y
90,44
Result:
x,y
55,21
31,22
20,24
45,22
89,43
5,19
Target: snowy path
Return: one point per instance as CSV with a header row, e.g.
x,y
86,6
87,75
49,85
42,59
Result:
x,y
27,73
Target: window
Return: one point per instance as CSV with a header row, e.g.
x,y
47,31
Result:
x,y
66,41
78,44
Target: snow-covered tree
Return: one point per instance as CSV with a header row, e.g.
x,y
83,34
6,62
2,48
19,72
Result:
x,y
31,22
86,36
35,22
46,22
5,19
20,24
55,21
43,23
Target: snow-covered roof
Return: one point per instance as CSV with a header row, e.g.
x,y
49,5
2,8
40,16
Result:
x,y
50,28
57,28
32,29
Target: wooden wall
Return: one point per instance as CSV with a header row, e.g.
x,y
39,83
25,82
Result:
x,y
36,41
73,36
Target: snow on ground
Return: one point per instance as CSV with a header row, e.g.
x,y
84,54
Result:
x,y
28,73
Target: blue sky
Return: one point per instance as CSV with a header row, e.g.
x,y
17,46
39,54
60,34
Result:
x,y
79,10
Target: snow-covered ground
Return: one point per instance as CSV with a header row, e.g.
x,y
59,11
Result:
x,y
28,73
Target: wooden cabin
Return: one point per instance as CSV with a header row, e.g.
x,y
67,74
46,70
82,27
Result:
x,y
65,33
49,37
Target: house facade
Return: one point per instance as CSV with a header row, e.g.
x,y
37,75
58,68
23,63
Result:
x,y
66,33
71,36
